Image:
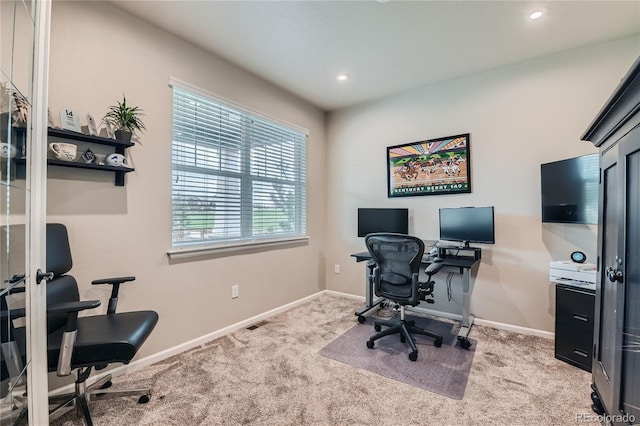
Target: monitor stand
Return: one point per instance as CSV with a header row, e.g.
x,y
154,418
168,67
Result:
x,y
464,249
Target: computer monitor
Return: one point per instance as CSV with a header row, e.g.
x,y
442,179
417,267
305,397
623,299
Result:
x,y
372,220
467,225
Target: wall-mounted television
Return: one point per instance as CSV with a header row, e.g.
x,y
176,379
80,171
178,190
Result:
x,y
570,190
467,225
372,220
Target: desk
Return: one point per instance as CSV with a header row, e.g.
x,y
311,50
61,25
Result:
x,y
464,265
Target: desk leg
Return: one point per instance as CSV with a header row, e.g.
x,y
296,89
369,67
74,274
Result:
x,y
370,303
467,317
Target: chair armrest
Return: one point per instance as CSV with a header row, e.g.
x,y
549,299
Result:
x,y
16,279
118,280
113,300
72,308
69,307
434,268
12,314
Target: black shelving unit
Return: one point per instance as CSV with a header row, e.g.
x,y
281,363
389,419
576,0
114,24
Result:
x,y
120,147
75,136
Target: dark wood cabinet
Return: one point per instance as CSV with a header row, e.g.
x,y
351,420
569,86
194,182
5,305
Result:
x,y
574,325
616,351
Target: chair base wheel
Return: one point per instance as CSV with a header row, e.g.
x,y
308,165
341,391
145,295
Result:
x,y
377,328
465,343
362,319
369,344
437,343
413,356
144,399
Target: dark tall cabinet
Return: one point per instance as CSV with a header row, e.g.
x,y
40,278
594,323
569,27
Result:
x,y
616,350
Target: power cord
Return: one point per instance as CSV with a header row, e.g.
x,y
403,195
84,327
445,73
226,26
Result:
x,y
449,280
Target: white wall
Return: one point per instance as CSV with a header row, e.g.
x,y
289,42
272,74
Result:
x,y
518,117
97,54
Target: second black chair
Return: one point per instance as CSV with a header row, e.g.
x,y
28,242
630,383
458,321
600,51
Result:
x,y
84,343
395,277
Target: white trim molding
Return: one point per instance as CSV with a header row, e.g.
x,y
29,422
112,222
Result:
x,y
515,328
184,252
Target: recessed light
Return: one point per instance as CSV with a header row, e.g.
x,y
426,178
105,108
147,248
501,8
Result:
x,y
343,77
535,15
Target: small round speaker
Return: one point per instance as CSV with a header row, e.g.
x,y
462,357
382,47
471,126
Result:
x,y
578,257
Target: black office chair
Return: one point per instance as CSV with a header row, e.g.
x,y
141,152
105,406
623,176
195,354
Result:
x,y
395,277
84,343
12,378
12,302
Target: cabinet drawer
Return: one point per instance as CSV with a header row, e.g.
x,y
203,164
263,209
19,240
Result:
x,y
579,339
576,353
574,306
573,327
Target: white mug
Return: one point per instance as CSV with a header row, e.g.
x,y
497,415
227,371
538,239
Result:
x,y
117,160
64,151
7,151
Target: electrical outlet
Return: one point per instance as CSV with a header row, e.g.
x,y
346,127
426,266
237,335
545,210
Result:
x,y
336,268
235,291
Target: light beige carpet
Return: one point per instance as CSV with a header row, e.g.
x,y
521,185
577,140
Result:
x,y
274,375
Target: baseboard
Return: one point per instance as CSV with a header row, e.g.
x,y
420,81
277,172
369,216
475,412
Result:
x,y
515,328
183,347
345,295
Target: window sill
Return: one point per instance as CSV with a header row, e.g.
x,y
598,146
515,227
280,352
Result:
x,y
234,248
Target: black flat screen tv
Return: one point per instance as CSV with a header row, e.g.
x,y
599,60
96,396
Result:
x,y
372,220
570,190
467,225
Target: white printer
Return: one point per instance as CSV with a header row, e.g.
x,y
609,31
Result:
x,y
572,273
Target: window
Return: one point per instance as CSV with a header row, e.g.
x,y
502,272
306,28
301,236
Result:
x,y
238,178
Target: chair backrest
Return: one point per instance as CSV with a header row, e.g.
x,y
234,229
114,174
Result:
x,y
397,258
59,259
62,288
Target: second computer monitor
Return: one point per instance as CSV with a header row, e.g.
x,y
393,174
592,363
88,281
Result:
x,y
467,225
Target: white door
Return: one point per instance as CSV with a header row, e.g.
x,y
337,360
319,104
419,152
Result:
x,y
24,34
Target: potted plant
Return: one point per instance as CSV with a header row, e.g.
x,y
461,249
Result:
x,y
125,118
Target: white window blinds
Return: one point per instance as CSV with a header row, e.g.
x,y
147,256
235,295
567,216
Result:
x,y
237,177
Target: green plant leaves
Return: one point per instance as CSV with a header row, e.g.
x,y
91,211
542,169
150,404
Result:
x,y
125,117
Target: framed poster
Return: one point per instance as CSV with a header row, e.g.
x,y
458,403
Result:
x,y
431,167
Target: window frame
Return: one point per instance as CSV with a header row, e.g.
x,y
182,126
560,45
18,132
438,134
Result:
x,y
247,238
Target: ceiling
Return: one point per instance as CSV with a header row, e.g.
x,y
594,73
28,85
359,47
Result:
x,y
386,47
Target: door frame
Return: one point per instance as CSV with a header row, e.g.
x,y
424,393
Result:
x,y
37,380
